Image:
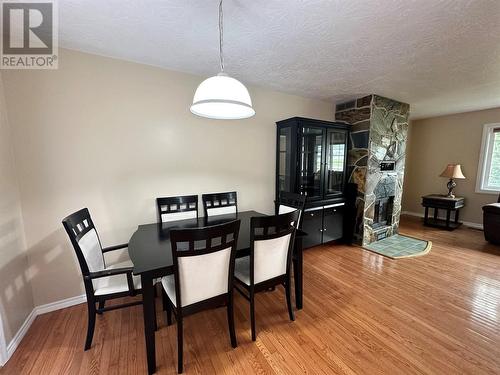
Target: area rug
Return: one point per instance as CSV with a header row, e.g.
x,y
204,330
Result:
x,y
399,246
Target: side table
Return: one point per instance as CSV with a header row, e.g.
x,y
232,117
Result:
x,y
443,202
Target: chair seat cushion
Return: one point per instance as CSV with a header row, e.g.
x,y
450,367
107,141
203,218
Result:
x,y
492,208
242,269
116,283
168,284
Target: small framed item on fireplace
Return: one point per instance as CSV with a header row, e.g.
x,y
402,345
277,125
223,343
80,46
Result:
x,y
387,166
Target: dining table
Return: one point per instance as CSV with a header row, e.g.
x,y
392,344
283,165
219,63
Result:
x,y
151,254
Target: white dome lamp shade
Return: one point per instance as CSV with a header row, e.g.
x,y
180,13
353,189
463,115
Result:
x,y
222,97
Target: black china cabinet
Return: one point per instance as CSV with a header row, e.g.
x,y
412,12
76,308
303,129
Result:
x,y
311,159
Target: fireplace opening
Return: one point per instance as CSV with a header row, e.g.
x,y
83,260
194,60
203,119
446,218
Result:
x,y
383,212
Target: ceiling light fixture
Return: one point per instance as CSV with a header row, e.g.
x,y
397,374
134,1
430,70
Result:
x,y
222,97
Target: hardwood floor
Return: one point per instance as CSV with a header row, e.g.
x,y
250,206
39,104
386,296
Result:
x,y
363,314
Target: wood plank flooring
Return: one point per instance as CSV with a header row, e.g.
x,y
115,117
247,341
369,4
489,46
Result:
x,y
363,314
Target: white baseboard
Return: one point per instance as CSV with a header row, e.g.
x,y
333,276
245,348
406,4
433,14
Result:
x,y
39,310
16,340
53,306
466,223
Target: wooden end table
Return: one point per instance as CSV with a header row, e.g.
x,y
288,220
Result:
x,y
443,202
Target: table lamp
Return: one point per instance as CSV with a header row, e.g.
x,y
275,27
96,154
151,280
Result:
x,y
453,172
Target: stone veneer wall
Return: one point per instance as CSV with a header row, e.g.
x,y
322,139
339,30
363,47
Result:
x,y
378,133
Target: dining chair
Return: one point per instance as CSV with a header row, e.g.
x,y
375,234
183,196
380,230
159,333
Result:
x,y
177,208
268,265
203,260
103,282
220,203
288,202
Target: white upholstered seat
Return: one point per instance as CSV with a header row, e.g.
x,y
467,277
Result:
x,y
284,209
269,260
174,216
116,283
201,277
92,251
221,210
242,269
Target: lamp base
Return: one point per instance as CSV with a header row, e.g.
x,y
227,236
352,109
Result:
x,y
451,185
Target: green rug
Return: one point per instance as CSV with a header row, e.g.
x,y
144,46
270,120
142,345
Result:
x,y
399,246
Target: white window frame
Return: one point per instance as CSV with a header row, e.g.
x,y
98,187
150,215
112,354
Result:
x,y
485,160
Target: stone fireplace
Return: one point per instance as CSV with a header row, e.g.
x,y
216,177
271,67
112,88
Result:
x,y
376,163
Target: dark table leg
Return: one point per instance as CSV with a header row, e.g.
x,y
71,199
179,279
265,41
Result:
x,y
297,272
448,213
436,210
148,312
426,216
456,216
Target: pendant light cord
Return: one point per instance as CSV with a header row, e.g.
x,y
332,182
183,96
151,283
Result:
x,y
221,36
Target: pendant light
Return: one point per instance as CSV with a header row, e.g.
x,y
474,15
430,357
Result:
x,y
222,97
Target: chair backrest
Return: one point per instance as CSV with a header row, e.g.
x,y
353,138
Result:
x,y
85,241
203,261
177,208
220,203
288,202
271,245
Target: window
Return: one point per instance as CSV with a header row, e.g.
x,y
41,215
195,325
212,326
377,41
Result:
x,y
336,157
488,177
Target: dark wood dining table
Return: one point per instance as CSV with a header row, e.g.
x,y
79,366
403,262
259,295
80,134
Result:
x,y
151,253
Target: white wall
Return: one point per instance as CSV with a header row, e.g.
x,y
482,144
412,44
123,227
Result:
x,y
16,301
113,135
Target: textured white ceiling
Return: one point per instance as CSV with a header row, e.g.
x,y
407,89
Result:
x,y
441,56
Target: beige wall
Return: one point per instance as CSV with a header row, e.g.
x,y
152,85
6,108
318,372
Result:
x,y
435,142
112,135
16,301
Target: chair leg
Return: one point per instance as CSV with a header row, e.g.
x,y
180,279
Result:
x,y
91,324
101,306
252,314
179,344
154,313
166,307
230,320
288,289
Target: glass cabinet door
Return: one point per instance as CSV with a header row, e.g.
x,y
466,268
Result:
x,y
285,162
311,155
336,148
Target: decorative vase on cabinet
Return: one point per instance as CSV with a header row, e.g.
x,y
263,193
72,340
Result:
x,y
311,159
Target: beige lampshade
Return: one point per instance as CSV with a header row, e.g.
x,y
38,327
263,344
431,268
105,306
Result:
x,y
453,171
